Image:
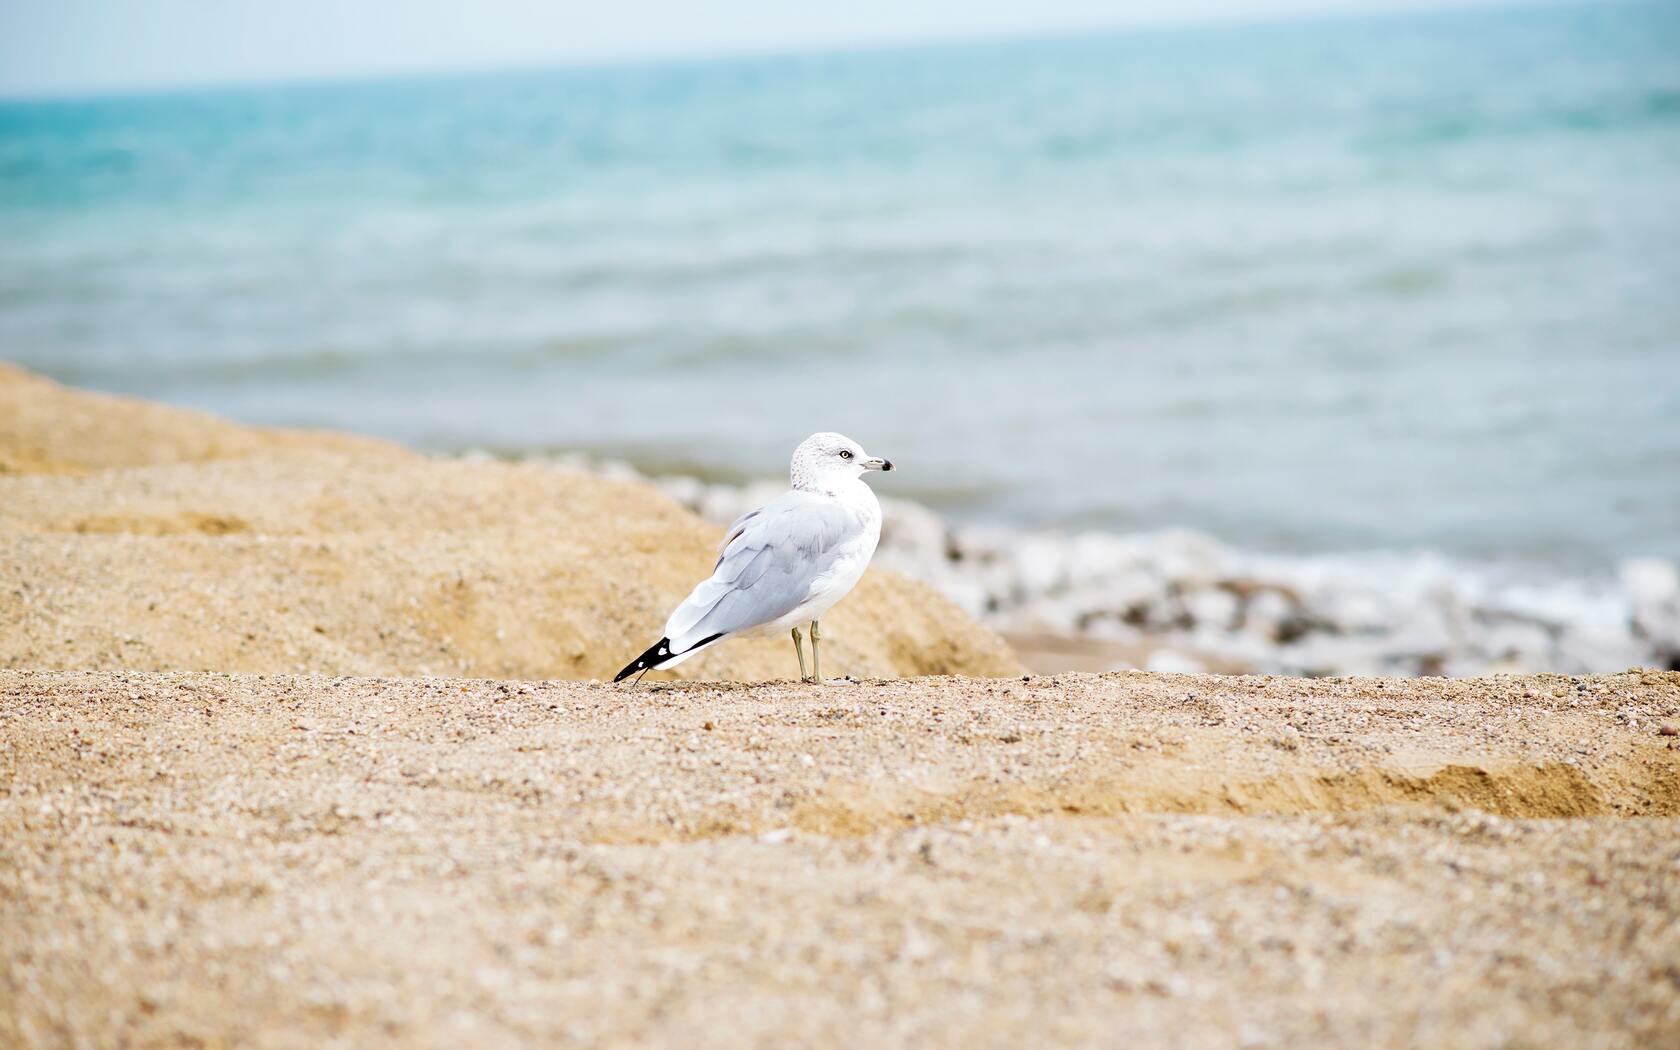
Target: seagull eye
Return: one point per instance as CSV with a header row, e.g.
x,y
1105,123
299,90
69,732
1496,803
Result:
x,y
845,453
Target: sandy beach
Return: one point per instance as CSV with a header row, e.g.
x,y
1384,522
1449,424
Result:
x,y
134,536
1134,859
299,746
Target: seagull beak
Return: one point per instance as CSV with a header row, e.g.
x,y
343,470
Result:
x,y
877,463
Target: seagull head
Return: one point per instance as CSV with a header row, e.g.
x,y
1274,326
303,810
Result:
x,y
826,457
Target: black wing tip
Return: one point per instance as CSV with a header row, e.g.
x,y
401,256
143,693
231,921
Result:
x,y
656,654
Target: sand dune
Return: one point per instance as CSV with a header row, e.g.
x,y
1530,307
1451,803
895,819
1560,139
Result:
x,y
134,536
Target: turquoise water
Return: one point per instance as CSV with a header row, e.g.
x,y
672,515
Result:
x,y
1383,283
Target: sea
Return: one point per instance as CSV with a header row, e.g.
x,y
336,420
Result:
x,y
1387,283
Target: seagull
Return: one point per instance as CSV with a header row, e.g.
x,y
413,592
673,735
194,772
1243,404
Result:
x,y
785,563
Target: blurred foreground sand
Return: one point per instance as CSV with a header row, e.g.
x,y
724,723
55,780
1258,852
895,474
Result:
x,y
283,859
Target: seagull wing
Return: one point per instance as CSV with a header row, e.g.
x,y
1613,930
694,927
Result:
x,y
770,561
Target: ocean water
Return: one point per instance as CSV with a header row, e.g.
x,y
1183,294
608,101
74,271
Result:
x,y
1380,284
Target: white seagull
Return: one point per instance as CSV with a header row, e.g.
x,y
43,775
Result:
x,y
785,563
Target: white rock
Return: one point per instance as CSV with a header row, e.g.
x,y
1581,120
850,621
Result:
x,y
913,530
1649,581
1428,628
1266,613
1189,557
1098,556
1353,610
1243,652
969,596
1515,645
1213,607
1653,589
1587,649
1040,563
1118,595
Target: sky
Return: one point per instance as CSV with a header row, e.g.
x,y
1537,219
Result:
x,y
52,47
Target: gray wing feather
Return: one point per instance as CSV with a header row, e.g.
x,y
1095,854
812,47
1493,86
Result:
x,y
735,529
770,560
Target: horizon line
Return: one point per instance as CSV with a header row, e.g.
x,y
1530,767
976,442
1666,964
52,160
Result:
x,y
862,45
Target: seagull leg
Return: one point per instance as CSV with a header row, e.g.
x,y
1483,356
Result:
x,y
816,668
799,648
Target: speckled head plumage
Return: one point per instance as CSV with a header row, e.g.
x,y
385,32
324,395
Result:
x,y
826,458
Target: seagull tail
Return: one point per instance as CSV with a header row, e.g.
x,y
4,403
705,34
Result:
x,y
659,655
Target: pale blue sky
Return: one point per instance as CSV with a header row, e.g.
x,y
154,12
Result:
x,y
70,46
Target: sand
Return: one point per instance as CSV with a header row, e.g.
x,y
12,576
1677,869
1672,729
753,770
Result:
x,y
138,537
461,846
1132,859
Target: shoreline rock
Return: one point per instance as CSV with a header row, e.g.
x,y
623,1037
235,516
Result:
x,y
1181,600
